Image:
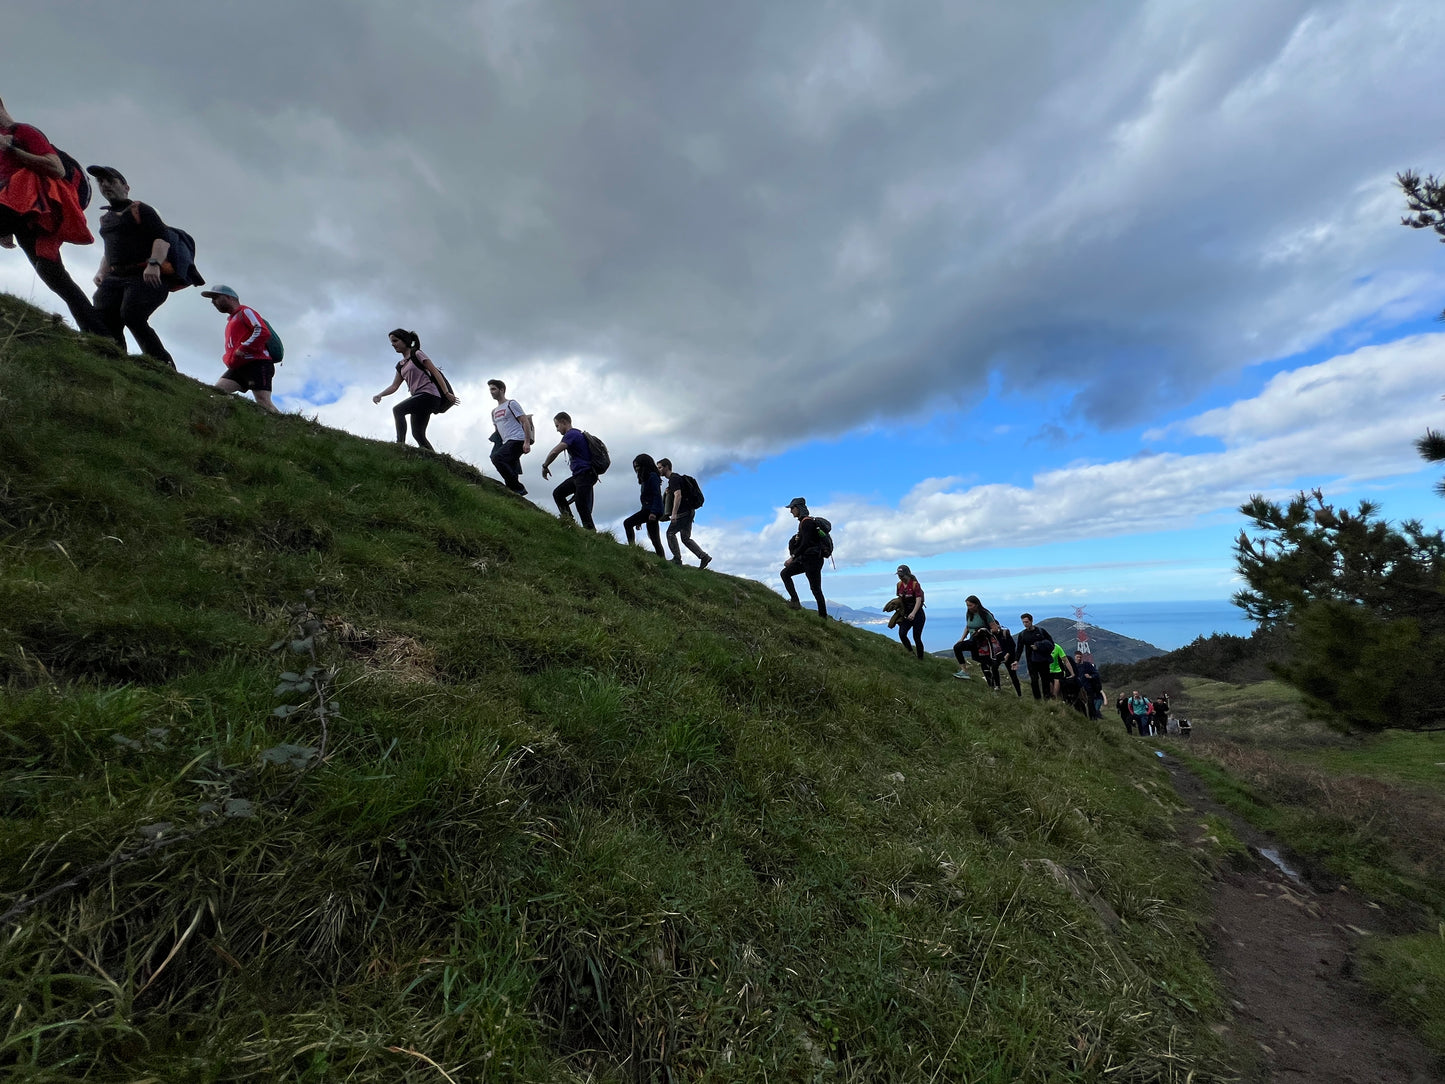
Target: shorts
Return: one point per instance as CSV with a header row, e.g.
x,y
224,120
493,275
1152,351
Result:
x,y
254,375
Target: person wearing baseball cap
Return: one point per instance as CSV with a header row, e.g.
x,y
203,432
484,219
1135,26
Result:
x,y
248,358
913,618
128,285
805,555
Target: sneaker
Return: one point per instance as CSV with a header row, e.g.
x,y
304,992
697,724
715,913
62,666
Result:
x,y
963,675
706,560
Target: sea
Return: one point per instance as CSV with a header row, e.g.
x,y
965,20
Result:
x,y
1166,625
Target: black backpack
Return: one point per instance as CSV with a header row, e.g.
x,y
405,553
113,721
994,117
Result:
x,y
75,177
442,383
825,535
601,459
693,490
180,265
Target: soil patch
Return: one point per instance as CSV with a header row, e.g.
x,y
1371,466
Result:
x,y
1284,949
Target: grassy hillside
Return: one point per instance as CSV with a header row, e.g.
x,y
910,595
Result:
x,y
322,759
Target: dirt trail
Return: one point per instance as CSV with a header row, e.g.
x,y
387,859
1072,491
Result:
x,y
1284,951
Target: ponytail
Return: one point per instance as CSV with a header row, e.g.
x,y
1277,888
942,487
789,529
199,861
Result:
x,y
408,339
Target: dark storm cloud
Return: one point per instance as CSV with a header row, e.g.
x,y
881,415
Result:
x,y
753,209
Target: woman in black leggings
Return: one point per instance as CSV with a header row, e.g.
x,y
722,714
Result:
x,y
426,387
650,479
913,619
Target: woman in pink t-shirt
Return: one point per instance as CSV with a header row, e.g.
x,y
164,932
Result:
x,y
428,389
912,616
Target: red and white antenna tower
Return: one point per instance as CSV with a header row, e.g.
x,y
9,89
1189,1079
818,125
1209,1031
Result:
x,y
1081,634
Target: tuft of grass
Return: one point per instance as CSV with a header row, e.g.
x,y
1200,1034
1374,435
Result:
x,y
579,815
1409,974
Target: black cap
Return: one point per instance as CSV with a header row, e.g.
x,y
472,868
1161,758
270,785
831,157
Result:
x,y
101,173
797,501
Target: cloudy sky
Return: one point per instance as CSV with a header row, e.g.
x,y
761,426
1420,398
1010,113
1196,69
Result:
x,y
1028,295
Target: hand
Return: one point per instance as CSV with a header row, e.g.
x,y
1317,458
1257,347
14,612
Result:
x,y
7,241
6,141
99,278
546,473
526,447
152,274
376,399
652,517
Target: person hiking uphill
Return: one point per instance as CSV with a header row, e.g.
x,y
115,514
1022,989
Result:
x,y
248,360
805,555
40,210
576,490
977,627
129,284
513,438
650,482
428,391
680,505
1035,645
913,616
1139,708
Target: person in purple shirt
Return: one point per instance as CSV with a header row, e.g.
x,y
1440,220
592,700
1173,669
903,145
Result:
x,y
576,490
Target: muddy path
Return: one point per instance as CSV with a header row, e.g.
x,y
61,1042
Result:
x,y
1284,950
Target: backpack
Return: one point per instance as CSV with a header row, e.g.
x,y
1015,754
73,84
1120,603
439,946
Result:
x,y
825,535
274,346
693,490
446,386
75,177
601,460
180,264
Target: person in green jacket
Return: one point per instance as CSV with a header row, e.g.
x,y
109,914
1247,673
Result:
x,y
1059,668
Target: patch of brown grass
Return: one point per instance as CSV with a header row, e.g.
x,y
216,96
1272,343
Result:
x,y
390,653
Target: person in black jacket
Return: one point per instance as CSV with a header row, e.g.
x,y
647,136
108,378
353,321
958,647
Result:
x,y
805,555
1035,645
1122,707
1091,684
650,495
1010,658
128,284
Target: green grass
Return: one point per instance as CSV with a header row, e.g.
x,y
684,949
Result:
x,y
581,815
1368,810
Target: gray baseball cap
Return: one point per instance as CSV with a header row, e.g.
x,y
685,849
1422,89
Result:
x,y
221,291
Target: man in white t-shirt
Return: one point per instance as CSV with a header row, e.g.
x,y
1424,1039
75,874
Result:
x,y
513,437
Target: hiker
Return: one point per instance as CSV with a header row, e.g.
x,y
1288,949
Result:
x,y
1035,643
650,481
1139,708
680,505
913,619
40,209
577,489
512,437
806,555
248,358
1059,668
976,629
1160,717
429,393
130,282
1122,707
1010,658
1091,684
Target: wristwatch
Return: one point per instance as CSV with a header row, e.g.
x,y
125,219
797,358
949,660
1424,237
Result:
x,y
153,263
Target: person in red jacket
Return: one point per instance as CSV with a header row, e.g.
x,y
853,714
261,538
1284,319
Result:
x,y
40,210
248,361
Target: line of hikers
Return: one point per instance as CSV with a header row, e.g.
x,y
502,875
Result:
x,y
1145,716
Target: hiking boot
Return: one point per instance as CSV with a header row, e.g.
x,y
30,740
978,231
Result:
x,y
794,604
675,560
963,675
706,560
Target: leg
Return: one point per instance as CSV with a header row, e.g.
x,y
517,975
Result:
x,y
655,534
1037,682
507,458
263,400
815,581
789,571
1014,677
585,483
672,529
918,624
57,279
684,532
562,493
419,419
631,523
107,303
140,300
398,414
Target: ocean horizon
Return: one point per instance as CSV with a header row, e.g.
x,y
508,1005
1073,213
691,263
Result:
x,y
1166,625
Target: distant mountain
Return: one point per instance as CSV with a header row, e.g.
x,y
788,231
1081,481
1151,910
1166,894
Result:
x,y
1107,647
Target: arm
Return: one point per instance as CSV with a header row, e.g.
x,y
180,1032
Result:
x,y
160,249
254,340
379,396
47,165
917,607
553,454
436,378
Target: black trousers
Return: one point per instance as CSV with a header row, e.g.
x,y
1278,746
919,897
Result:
x,y
577,490
641,519
914,626
812,568
1041,681
421,407
507,458
53,273
125,303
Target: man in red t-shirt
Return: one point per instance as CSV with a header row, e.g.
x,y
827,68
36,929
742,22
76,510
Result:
x,y
248,358
39,209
